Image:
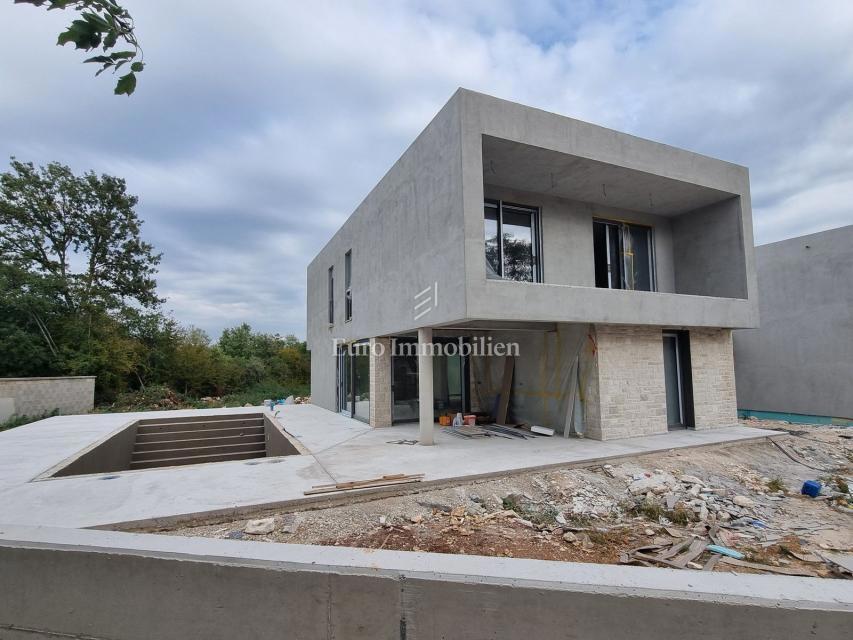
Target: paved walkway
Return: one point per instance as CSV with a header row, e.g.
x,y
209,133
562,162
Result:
x,y
341,449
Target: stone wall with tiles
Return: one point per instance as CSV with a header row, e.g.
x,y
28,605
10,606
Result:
x,y
713,369
38,396
380,382
631,391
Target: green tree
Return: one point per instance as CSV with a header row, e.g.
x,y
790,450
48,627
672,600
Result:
x,y
237,342
48,215
102,24
76,278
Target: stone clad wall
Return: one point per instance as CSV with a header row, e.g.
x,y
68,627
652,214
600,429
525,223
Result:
x,y
630,382
380,382
37,396
713,368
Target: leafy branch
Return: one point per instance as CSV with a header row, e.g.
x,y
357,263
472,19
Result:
x,y
102,24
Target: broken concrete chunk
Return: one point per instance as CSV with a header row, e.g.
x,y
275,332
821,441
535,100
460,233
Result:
x,y
743,501
416,519
690,479
260,527
568,536
289,523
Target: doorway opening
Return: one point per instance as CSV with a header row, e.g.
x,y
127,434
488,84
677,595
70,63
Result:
x,y
450,379
678,380
353,388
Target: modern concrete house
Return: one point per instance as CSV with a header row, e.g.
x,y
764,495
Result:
x,y
588,280
800,361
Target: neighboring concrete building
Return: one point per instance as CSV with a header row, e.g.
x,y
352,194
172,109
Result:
x,y
617,267
801,360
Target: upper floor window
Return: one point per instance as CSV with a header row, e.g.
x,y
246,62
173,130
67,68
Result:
x,y
512,242
348,286
332,295
624,255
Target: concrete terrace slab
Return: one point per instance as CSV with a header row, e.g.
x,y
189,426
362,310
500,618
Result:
x,y
340,449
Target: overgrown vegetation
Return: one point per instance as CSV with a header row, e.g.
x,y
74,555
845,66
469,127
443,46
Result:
x,y
78,297
776,484
19,421
653,510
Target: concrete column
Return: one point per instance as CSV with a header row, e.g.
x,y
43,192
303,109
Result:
x,y
425,393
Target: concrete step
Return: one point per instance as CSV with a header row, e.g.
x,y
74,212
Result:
x,y
200,433
199,417
187,460
198,450
170,427
153,445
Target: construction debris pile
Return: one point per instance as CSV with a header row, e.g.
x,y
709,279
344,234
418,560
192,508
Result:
x,y
736,508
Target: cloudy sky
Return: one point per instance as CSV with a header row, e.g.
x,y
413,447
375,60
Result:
x,y
247,110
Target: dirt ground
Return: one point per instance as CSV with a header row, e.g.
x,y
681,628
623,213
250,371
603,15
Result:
x,y
745,497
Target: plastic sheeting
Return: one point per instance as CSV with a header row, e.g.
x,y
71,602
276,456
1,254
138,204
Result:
x,y
548,366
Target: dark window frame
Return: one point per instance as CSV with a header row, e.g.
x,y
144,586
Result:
x,y
610,223
536,235
348,286
348,379
331,285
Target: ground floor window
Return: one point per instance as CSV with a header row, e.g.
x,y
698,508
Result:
x,y
624,256
353,372
450,380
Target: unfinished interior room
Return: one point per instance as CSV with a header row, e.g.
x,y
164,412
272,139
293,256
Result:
x,y
529,268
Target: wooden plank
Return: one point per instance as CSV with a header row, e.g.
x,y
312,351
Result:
x,y
506,389
712,562
675,549
765,567
697,548
352,483
383,483
658,560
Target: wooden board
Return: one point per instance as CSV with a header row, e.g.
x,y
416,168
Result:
x,y
395,478
364,485
506,389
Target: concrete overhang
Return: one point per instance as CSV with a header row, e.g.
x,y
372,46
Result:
x,y
514,165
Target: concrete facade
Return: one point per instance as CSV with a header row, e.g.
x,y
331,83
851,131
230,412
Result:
x,y
103,584
801,360
420,234
40,396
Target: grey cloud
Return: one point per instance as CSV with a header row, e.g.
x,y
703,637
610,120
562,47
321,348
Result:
x,y
258,127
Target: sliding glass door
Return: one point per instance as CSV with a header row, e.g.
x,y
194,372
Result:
x,y
511,241
354,380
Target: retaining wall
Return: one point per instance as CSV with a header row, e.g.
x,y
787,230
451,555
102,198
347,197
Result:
x,y
121,586
38,396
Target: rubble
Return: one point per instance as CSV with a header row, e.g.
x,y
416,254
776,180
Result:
x,y
260,527
672,510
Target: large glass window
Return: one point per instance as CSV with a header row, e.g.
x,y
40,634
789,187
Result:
x,y
623,255
511,242
354,380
